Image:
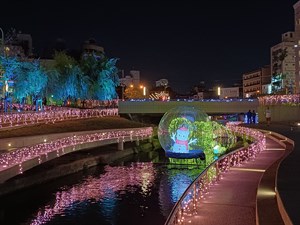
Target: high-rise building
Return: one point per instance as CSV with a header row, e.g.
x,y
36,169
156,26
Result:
x,y
297,46
283,64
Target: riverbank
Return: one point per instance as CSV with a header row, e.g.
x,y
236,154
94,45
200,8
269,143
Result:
x,y
77,161
86,124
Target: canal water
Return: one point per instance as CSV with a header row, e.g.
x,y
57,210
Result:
x,y
139,190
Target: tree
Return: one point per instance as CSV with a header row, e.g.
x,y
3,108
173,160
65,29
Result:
x,y
9,67
31,80
133,92
107,80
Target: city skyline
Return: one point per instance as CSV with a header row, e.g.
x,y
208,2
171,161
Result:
x,y
180,41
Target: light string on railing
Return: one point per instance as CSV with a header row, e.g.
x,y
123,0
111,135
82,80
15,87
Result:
x,y
29,118
19,156
279,100
186,206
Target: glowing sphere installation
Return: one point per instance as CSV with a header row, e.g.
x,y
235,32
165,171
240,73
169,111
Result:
x,y
178,132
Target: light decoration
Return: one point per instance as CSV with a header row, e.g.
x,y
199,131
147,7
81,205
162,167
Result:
x,y
41,151
293,100
188,136
113,180
186,207
176,133
52,116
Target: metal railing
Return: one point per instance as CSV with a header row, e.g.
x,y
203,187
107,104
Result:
x,y
187,204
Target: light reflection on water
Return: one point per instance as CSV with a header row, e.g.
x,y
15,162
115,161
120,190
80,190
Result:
x,y
139,193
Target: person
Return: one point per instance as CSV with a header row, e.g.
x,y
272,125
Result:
x,y
268,116
253,116
249,116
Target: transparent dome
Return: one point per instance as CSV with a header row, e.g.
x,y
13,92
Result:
x,y
177,131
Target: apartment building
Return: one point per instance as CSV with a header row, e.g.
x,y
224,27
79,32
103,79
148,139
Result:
x,y
297,46
253,81
283,65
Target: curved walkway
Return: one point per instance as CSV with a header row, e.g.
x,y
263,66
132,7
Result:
x,y
246,195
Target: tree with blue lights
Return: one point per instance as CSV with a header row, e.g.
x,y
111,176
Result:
x,y
66,80
9,66
30,81
107,80
103,74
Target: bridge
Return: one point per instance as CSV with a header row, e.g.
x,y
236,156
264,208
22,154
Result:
x,y
209,106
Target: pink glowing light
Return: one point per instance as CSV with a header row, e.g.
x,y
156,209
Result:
x,y
113,180
39,151
279,99
52,116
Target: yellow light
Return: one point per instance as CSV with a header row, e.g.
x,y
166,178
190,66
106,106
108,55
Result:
x,y
131,85
9,144
219,91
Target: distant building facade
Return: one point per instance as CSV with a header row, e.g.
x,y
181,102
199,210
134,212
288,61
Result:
x,y
283,64
90,47
229,92
132,79
253,81
297,46
20,46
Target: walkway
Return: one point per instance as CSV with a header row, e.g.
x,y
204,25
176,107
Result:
x,y
232,200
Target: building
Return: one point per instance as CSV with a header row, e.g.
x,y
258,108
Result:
x,y
132,79
254,81
20,45
229,92
90,47
297,46
283,65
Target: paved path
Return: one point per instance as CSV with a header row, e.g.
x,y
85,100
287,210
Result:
x,y
232,200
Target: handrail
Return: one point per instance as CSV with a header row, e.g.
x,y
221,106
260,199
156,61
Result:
x,y
196,191
17,161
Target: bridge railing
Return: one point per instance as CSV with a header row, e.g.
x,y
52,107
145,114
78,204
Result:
x,y
17,161
186,206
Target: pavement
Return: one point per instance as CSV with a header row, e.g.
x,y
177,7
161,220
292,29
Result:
x,y
288,177
237,192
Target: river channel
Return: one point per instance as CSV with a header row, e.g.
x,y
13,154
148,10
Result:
x,y
141,189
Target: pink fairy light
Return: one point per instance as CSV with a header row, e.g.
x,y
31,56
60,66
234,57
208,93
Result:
x,y
279,99
197,190
114,179
26,118
21,155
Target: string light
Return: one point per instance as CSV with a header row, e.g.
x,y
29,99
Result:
x,y
186,206
279,99
53,115
21,155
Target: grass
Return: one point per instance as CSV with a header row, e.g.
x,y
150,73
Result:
x,y
71,126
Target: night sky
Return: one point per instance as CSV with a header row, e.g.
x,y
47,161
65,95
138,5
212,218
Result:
x,y
183,41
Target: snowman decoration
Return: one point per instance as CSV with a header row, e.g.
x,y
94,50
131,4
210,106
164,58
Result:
x,y
181,139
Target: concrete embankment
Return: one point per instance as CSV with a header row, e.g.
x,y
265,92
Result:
x,y
75,162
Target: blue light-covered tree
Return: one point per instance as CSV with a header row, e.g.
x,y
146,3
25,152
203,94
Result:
x,y
9,67
107,80
31,80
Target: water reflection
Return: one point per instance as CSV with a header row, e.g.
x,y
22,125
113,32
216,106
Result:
x,y
139,192
174,184
104,188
